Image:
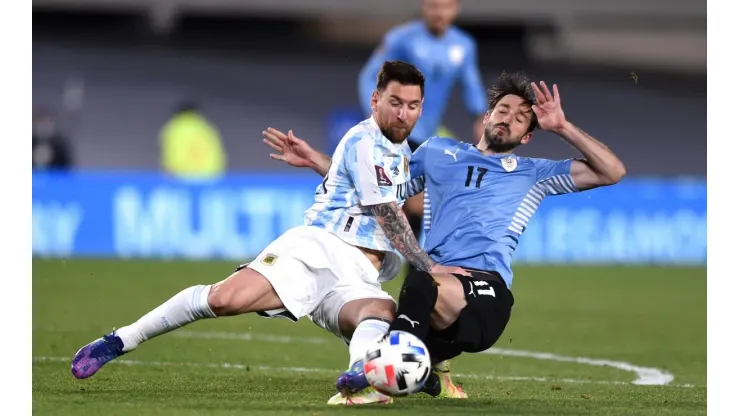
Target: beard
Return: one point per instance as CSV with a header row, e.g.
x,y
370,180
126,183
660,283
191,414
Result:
x,y
499,143
394,135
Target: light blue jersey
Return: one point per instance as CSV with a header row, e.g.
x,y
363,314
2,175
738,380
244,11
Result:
x,y
444,60
367,169
481,205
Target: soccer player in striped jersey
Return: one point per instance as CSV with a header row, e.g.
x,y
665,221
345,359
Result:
x,y
329,269
482,198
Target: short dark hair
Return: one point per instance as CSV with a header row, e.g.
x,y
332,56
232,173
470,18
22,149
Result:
x,y
401,72
517,84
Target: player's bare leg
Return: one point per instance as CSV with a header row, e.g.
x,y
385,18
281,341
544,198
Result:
x,y
244,291
362,321
450,301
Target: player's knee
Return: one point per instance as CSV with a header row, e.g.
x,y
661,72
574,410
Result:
x,y
383,309
450,301
231,296
356,311
221,300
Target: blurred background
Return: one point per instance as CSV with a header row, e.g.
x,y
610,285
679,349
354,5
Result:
x,y
148,115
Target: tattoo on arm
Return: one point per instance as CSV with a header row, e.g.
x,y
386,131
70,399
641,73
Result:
x,y
395,225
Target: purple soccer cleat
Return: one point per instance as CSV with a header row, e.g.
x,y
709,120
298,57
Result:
x,y
90,358
352,380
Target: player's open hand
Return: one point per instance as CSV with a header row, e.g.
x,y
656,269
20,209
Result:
x,y
548,110
438,268
292,150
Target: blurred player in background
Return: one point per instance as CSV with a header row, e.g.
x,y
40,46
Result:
x,y
329,269
191,145
482,197
445,55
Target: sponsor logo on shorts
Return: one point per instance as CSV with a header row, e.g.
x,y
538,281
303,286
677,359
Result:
x,y
269,259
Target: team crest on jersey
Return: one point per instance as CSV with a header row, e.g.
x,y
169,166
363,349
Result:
x,y
269,259
406,166
509,163
383,179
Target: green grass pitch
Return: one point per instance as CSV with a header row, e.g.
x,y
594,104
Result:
x,y
648,317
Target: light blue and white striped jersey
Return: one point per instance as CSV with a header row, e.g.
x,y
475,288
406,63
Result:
x,y
367,169
480,204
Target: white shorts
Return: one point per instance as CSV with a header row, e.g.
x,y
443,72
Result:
x,y
327,314
315,273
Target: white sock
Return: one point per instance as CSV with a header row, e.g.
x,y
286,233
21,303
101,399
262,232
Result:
x,y
185,307
366,333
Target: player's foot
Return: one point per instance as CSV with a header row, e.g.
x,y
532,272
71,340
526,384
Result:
x,y
352,380
440,383
90,358
366,396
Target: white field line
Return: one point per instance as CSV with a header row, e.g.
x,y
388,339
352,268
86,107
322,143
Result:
x,y
270,369
646,376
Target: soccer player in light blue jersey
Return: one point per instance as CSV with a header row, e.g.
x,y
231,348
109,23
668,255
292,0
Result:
x,y
482,198
329,269
444,53
447,56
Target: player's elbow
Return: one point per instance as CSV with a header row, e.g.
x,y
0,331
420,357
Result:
x,y
615,173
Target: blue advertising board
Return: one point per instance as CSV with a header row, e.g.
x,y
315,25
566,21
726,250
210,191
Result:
x,y
145,215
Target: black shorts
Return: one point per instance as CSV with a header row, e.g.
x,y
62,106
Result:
x,y
480,323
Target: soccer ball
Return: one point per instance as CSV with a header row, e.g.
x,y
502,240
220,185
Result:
x,y
398,365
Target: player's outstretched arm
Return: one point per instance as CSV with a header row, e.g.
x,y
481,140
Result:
x,y
295,152
600,165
